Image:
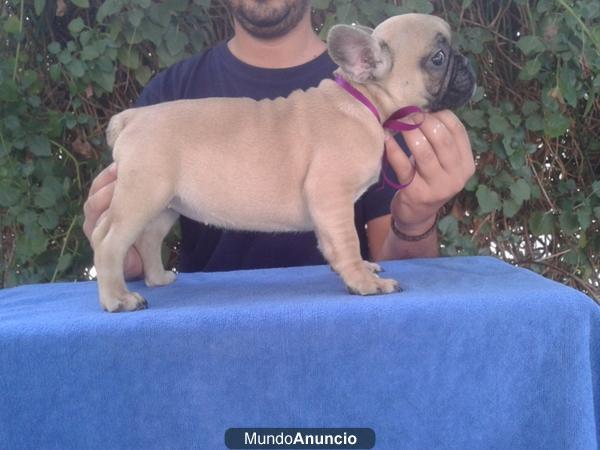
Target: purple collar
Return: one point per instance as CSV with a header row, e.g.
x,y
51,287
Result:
x,y
393,123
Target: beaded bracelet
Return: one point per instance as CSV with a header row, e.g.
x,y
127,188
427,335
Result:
x,y
405,237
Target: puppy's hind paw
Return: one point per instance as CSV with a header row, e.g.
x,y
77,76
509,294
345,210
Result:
x,y
130,301
161,279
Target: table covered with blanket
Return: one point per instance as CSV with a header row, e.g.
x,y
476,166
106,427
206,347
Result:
x,y
473,354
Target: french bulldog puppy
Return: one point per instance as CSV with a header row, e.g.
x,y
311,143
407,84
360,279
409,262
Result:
x,y
293,164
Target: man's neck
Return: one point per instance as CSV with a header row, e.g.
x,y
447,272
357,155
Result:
x,y
300,45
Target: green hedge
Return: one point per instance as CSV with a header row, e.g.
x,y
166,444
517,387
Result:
x,y
66,66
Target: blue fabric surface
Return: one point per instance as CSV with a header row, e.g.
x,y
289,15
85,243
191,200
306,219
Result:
x,y
473,354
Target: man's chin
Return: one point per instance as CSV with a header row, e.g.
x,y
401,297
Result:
x,y
265,21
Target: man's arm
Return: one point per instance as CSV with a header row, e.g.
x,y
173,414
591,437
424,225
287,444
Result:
x,y
443,162
384,244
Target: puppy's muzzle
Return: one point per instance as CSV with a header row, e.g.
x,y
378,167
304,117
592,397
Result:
x,y
460,85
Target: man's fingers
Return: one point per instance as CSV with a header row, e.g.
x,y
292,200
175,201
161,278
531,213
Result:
x,y
461,137
426,160
400,163
108,175
99,198
95,205
443,142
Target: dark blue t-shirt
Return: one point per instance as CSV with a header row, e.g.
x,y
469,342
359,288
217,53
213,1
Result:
x,y
217,73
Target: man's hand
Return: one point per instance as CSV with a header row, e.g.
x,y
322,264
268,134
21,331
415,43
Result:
x,y
97,203
443,164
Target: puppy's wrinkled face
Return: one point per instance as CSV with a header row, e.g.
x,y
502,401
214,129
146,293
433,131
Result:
x,y
409,57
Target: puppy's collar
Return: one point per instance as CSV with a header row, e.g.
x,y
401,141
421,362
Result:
x,y
393,123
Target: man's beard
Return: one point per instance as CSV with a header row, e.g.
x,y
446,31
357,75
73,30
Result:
x,y
268,19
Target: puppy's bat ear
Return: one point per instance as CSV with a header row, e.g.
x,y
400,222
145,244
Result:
x,y
358,53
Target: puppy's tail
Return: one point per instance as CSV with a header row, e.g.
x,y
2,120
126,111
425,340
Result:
x,y
116,125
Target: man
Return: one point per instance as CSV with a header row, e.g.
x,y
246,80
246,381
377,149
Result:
x,y
274,51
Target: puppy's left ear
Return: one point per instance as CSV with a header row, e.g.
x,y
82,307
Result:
x,y
358,53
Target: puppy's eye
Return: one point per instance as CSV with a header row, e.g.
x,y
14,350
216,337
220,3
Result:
x,y
439,58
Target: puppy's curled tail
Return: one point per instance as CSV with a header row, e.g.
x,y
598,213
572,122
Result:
x,y
116,125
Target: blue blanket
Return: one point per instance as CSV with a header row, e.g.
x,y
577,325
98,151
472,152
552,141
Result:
x,y
473,354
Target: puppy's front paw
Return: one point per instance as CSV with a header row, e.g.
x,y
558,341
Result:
x,y
370,284
129,301
161,279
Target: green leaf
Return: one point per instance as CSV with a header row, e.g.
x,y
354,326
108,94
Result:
x,y
81,3
530,70
48,219
448,226
474,118
28,218
320,4
165,57
65,57
64,262
472,184
520,191
499,125
151,32
510,207
40,146
76,25
178,5
530,44
89,52
12,122
9,196
529,107
12,25
54,48
45,197
176,41
478,95
541,224
33,241
135,17
584,217
39,6
76,68
488,199
507,142
555,125
55,72
130,58
568,221
342,12
34,101
568,86
105,80
9,91
535,123
108,8
143,75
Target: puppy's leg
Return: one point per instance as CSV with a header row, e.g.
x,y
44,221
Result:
x,y
333,218
109,253
149,246
118,230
